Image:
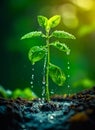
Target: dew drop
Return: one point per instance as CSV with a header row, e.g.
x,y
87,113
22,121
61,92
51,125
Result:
x,y
68,67
43,100
31,82
68,86
32,86
50,117
32,69
52,91
68,52
68,76
43,82
68,62
33,63
43,90
32,76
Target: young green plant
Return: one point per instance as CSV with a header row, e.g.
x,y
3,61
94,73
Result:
x,y
36,53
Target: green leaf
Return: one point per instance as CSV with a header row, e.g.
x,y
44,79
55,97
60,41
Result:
x,y
61,46
36,53
26,93
29,93
54,21
63,34
33,34
43,21
56,75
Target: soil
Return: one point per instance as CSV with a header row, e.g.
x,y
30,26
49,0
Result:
x,y
75,112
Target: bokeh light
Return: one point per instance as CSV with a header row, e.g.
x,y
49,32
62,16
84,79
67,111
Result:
x,y
69,15
84,4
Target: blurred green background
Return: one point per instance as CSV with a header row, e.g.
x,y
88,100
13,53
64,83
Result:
x,y
18,17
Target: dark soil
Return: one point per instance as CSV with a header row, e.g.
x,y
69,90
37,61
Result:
x,y
76,112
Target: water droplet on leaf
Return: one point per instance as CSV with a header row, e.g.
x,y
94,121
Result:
x,y
41,121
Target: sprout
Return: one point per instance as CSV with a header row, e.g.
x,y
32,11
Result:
x,y
36,53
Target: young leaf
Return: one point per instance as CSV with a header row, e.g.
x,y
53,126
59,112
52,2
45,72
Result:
x,y
54,21
33,34
61,46
43,21
36,53
56,75
63,34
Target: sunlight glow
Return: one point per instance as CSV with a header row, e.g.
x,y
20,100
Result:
x,y
84,4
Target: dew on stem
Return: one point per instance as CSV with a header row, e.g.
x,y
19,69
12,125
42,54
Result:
x,y
44,77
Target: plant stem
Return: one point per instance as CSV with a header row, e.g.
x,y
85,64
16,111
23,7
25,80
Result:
x,y
47,67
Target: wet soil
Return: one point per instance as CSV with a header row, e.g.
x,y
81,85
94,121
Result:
x,y
75,112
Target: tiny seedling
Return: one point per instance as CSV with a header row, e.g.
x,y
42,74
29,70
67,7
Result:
x,y
36,53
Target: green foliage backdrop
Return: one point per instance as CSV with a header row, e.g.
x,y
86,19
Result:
x,y
18,17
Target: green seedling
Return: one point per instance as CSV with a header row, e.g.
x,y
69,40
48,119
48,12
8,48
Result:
x,y
36,53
